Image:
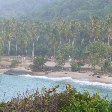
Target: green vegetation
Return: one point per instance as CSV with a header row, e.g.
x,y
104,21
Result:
x,y
68,30
77,30
75,9
38,63
90,41
98,52
52,101
75,66
107,66
63,54
54,9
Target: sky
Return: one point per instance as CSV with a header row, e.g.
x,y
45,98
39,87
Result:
x,y
6,2
3,2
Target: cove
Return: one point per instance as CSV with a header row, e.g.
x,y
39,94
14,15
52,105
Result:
x,y
12,86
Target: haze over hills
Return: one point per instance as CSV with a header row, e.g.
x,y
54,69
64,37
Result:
x,y
52,9
77,9
17,8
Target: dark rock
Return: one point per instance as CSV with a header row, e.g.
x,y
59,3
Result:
x,y
66,73
17,72
98,77
110,76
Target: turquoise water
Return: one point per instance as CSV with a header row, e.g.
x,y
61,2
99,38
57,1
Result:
x,y
11,86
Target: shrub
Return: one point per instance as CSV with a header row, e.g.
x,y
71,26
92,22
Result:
x,y
106,66
52,101
14,63
97,51
60,60
80,63
38,63
75,67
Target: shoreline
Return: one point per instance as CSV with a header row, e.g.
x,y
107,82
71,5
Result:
x,y
81,76
87,76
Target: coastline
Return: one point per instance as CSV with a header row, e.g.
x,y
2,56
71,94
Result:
x,y
87,76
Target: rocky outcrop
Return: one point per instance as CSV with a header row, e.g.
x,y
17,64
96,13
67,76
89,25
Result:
x,y
18,71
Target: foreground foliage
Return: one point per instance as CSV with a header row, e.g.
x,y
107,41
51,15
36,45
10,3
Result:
x,y
52,101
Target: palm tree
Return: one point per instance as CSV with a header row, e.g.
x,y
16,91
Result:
x,y
9,32
95,28
109,30
33,33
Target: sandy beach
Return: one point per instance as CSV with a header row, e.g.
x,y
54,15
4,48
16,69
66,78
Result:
x,y
83,76
87,76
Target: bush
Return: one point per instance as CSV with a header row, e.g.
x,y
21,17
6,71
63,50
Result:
x,y
75,67
52,101
60,60
38,63
106,66
80,63
14,63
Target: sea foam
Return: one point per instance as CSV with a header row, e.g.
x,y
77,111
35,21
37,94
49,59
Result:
x,y
70,80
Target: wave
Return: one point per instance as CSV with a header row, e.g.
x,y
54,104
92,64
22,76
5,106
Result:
x,y
44,77
70,80
104,85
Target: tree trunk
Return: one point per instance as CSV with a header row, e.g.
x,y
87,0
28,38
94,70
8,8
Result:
x,y
33,50
94,39
16,49
82,41
26,51
54,50
60,41
9,44
108,40
69,41
73,42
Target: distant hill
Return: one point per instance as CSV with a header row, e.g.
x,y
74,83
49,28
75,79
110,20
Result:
x,y
77,9
53,9
18,8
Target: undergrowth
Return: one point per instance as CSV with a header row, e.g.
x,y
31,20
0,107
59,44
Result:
x,y
52,101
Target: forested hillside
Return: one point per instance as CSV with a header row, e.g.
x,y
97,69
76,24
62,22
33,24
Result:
x,y
18,8
77,9
53,9
34,37
74,31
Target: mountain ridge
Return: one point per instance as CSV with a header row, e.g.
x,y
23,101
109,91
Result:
x,y
21,7
78,9
53,9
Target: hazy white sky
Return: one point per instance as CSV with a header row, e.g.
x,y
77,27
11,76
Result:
x,y
6,2
2,2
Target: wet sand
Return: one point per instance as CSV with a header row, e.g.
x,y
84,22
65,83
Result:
x,y
87,76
